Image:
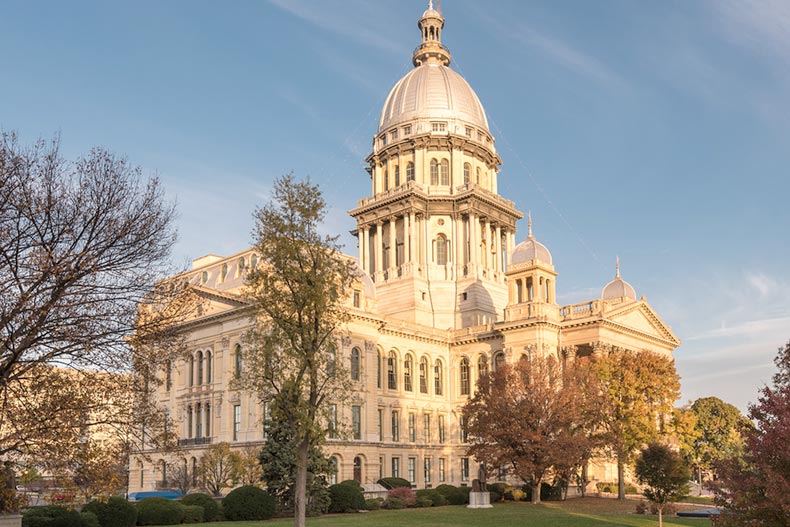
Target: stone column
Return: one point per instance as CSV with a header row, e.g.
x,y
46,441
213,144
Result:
x,y
406,240
378,241
488,244
415,249
393,263
498,245
364,255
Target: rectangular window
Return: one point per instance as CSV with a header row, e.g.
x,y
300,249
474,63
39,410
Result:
x,y
395,426
441,429
426,468
412,432
396,467
357,299
332,428
381,467
236,421
407,130
412,469
468,132
441,470
464,469
381,424
383,139
426,425
356,421
438,127
392,380
394,135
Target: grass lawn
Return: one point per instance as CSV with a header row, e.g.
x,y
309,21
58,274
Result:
x,y
578,512
702,500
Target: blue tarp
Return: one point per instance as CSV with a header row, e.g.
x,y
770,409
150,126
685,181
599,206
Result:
x,y
168,494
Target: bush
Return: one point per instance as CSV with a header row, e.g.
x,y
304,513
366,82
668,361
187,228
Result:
x,y
318,501
494,496
211,512
641,507
669,509
352,483
451,494
423,502
392,503
193,514
88,519
373,504
517,495
51,516
630,489
407,496
248,503
550,492
115,512
393,483
500,488
464,491
159,511
436,499
345,498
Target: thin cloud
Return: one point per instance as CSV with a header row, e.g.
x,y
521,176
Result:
x,y
762,24
761,283
767,326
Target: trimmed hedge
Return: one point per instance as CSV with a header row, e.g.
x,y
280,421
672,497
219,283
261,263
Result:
x,y
193,514
393,483
248,503
373,504
392,503
346,497
433,495
52,516
452,494
88,519
115,512
211,511
159,511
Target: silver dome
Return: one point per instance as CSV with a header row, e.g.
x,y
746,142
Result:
x,y
618,288
530,249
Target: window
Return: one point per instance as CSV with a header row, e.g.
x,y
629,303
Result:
x,y
267,418
434,172
168,375
426,427
240,267
467,173
224,272
357,299
444,172
463,429
204,277
356,421
253,261
441,429
441,470
438,375
412,431
383,139
468,132
199,368
397,175
392,379
236,421
438,127
378,369
407,130
332,428
198,421
482,366
464,469
333,468
426,469
191,370
385,179
189,421
477,176
424,375
394,135
194,472
396,467
441,250
331,364
412,469
355,354
395,426
409,171
381,424
499,360
408,367
237,361
208,367
464,371
381,467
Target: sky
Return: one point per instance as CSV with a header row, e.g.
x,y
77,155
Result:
x,y
656,131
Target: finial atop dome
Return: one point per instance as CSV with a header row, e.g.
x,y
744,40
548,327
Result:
x,y
431,49
618,288
529,224
617,267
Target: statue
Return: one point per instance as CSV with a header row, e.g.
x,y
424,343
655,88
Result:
x,y
481,476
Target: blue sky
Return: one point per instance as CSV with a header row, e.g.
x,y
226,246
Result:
x,y
659,131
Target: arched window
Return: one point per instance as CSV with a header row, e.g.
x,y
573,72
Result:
x,y
207,427
199,360
408,369
163,470
198,421
410,171
333,470
397,175
204,277
194,472
253,261
438,378
378,369
241,266
444,172
392,371
464,371
385,179
331,365
358,469
224,273
424,375
441,250
208,367
238,361
355,364
191,370
499,360
482,366
434,172
467,173
477,175
189,421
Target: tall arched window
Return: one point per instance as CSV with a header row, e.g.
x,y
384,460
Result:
x,y
241,266
392,371
191,370
438,378
464,372
333,470
378,368
408,370
441,250
397,175
253,261
467,173
238,361
410,171
207,427
482,366
189,421
424,375
355,357
477,176
163,470
208,367
224,273
199,361
434,172
198,421
194,472
444,172
385,180
499,360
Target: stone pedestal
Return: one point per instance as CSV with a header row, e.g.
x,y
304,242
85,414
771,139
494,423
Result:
x,y
479,500
10,520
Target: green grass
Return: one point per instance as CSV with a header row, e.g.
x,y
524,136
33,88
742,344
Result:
x,y
587,512
702,500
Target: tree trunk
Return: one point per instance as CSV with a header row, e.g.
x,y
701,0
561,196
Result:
x,y
536,492
584,478
661,516
699,479
620,478
300,488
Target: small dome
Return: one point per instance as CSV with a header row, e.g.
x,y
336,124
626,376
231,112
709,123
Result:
x,y
618,288
433,91
530,249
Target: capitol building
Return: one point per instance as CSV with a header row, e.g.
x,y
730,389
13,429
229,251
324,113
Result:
x,y
448,291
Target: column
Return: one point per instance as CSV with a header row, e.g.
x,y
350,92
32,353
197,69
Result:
x,y
508,246
364,255
498,246
393,263
377,240
474,249
415,250
406,240
488,244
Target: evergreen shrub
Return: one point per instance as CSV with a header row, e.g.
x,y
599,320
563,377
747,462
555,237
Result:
x,y
248,503
451,494
373,504
346,498
392,483
51,516
115,512
88,519
392,503
211,511
193,514
436,498
159,511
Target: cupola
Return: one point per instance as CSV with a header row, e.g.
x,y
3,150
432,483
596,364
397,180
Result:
x,y
618,289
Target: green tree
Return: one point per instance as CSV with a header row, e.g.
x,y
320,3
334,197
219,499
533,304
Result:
x,y
664,475
640,389
219,468
299,293
719,427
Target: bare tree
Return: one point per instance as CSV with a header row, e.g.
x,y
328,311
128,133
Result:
x,y
181,476
219,466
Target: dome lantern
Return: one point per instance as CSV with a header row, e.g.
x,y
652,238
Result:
x,y
618,288
431,49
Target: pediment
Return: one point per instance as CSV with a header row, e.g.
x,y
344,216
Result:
x,y
641,317
214,302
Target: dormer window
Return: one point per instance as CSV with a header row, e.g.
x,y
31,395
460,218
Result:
x,y
438,127
394,135
480,136
468,132
383,139
407,130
